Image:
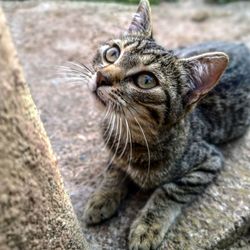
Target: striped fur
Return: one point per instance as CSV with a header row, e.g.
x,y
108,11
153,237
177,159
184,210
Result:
x,y
164,138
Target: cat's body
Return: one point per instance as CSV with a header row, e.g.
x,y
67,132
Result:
x,y
165,113
225,109
221,116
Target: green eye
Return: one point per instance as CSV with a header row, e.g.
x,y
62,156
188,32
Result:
x,y
112,54
146,81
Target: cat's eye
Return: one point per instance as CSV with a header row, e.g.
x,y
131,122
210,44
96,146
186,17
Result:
x,y
146,81
112,54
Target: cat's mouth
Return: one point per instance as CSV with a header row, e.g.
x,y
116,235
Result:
x,y
108,96
104,92
101,96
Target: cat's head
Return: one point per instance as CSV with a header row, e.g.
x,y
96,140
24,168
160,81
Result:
x,y
147,85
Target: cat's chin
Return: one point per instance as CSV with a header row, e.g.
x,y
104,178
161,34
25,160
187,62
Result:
x,y
99,102
98,99
102,96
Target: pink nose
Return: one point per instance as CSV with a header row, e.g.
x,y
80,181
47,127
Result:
x,y
102,79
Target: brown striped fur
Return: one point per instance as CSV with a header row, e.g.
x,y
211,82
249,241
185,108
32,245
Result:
x,y
163,138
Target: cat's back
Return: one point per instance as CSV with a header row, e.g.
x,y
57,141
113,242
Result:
x,y
226,109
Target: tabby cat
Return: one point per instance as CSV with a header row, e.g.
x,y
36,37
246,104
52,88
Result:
x,y
165,112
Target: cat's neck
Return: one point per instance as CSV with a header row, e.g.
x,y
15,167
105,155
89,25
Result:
x,y
147,161
168,146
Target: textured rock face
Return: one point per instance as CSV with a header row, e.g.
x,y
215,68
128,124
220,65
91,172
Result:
x,y
35,211
48,34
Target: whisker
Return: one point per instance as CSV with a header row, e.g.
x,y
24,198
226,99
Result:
x,y
109,123
80,65
119,140
75,78
67,69
111,130
75,86
116,132
74,82
129,138
72,73
126,142
130,156
107,112
146,142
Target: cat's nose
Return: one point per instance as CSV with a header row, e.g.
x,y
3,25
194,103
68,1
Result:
x,y
102,79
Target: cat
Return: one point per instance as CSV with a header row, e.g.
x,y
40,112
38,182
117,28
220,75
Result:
x,y
166,110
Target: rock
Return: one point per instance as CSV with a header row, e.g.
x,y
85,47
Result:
x,y
200,16
35,210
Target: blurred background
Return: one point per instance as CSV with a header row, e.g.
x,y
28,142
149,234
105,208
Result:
x,y
151,1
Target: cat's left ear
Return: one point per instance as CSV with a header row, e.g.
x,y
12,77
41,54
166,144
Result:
x,y
203,73
141,22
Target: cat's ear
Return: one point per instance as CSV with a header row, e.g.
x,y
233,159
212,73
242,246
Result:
x,y
203,73
141,22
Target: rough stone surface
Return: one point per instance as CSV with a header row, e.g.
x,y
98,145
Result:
x,y
35,211
49,34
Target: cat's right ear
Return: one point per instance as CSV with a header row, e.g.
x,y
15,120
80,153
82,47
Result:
x,y
202,74
141,23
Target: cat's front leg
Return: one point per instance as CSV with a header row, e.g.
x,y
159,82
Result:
x,y
149,228
105,201
164,206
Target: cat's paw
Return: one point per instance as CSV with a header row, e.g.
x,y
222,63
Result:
x,y
145,236
100,207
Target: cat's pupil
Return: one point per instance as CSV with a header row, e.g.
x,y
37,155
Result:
x,y
146,81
